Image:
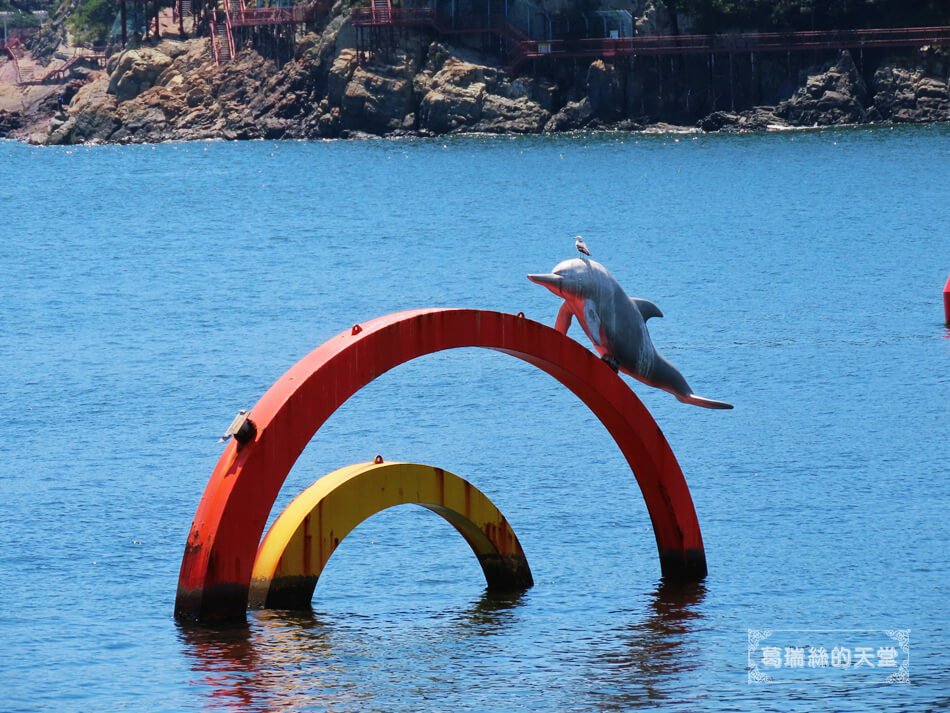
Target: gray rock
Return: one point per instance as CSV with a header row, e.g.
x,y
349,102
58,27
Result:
x,y
604,90
909,95
573,116
463,95
377,102
341,71
451,108
756,119
518,116
428,88
655,20
91,117
718,120
836,96
135,71
10,121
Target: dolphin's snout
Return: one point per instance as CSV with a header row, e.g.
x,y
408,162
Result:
x,y
548,280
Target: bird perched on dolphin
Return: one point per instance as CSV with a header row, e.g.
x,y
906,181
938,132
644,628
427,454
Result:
x,y
581,246
616,324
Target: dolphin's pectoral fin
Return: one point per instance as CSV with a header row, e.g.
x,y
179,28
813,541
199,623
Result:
x,y
646,308
611,361
702,401
564,317
593,321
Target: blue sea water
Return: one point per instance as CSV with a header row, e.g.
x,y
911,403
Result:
x,y
149,292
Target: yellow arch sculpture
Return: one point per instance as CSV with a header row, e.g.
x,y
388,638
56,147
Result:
x,y
298,545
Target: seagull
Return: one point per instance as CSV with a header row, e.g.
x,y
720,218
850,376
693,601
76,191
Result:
x,y
581,247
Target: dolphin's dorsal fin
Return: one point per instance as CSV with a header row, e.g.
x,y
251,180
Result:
x,y
647,308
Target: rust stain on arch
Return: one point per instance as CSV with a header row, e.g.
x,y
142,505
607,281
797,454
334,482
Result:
x,y
218,560
287,568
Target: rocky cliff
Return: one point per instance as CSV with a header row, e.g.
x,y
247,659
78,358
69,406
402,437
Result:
x,y
174,91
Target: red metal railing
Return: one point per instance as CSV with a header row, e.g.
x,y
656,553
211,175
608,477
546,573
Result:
x,y
382,11
61,72
237,14
214,34
228,35
524,48
227,23
295,15
16,35
421,17
9,51
745,42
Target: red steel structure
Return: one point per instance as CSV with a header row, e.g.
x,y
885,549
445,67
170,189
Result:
x,y
523,48
294,15
375,23
226,15
221,547
11,51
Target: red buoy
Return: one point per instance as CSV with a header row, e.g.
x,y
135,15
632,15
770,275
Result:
x,y
946,302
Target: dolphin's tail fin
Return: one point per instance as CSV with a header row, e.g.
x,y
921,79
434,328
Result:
x,y
702,401
667,377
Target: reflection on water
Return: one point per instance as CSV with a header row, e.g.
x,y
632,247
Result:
x,y
292,660
345,661
652,651
223,658
278,660
491,613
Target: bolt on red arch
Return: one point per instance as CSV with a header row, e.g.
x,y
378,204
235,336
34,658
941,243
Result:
x,y
228,525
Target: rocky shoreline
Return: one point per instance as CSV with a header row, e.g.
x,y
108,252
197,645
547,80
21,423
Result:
x,y
173,91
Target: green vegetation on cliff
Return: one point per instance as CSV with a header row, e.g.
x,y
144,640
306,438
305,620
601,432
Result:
x,y
91,22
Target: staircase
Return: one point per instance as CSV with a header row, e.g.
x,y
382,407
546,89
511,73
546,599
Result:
x,y
382,11
222,40
185,8
21,75
222,48
62,72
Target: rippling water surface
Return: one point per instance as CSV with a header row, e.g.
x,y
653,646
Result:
x,y
147,293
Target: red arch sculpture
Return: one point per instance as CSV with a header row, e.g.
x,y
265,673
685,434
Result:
x,y
219,554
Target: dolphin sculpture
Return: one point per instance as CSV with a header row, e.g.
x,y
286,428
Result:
x,y
616,324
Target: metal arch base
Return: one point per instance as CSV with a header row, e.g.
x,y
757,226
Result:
x,y
299,543
220,551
